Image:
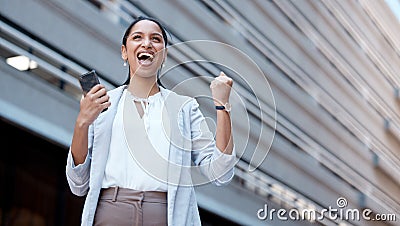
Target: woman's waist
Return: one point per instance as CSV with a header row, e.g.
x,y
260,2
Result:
x,y
131,195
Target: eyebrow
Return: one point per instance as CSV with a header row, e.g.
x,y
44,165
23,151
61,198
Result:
x,y
139,32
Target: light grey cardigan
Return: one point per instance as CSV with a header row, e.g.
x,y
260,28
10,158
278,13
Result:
x,y
191,141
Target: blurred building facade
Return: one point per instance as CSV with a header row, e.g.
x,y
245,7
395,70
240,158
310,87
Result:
x,y
333,116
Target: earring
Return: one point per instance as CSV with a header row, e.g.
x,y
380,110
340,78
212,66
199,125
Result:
x,y
125,63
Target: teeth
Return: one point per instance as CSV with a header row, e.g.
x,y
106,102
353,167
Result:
x,y
146,54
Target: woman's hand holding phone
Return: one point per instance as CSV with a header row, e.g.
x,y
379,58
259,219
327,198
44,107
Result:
x,y
92,104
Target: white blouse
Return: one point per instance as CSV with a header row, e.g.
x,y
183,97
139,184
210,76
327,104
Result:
x,y
128,164
124,166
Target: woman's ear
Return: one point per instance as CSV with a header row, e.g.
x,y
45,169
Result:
x,y
124,55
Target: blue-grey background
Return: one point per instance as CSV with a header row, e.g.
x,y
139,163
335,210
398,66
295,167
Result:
x,y
334,70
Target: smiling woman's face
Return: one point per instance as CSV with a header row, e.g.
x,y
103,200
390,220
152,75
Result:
x,y
144,49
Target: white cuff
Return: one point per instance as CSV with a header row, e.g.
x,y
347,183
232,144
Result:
x,y
222,166
78,173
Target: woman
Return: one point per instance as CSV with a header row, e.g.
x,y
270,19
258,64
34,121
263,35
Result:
x,y
117,156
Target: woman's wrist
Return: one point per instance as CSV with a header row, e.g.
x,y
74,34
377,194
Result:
x,y
223,107
81,123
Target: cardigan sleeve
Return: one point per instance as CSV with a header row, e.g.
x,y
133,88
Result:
x,y
214,164
78,176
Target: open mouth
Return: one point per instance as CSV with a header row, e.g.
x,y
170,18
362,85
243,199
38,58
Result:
x,y
145,57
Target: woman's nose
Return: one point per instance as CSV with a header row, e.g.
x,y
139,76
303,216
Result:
x,y
146,42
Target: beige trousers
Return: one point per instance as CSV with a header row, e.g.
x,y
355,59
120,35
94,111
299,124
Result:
x,y
122,206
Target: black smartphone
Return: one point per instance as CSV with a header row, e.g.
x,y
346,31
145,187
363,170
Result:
x,y
88,81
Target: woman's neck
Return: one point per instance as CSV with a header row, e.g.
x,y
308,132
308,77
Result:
x,y
143,87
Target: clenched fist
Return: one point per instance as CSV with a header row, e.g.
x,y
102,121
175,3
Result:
x,y
221,89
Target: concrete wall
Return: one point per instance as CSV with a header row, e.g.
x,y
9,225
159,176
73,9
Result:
x,y
332,66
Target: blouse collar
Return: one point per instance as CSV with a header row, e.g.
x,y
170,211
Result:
x,y
157,96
